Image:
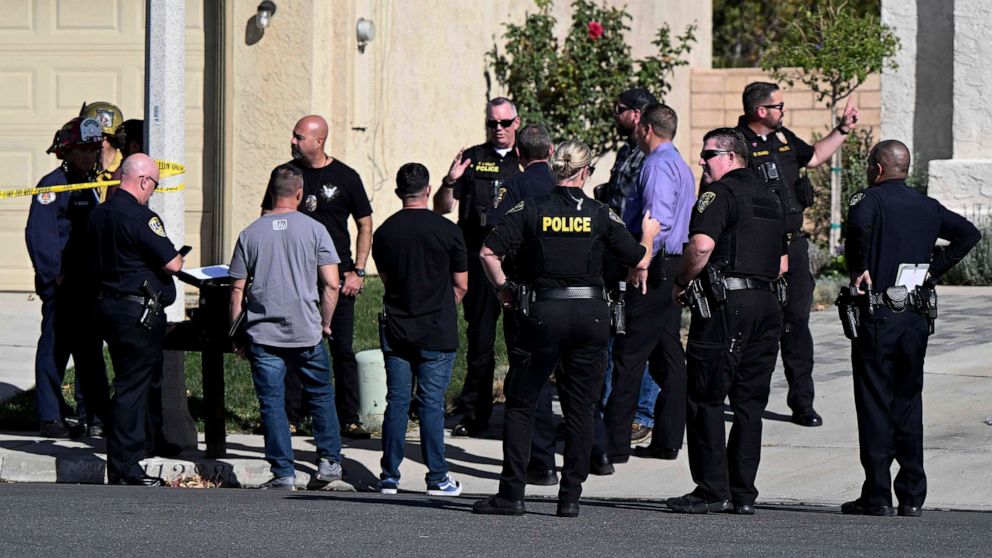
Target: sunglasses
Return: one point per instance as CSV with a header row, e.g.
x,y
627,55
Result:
x,y
779,106
492,124
708,154
622,109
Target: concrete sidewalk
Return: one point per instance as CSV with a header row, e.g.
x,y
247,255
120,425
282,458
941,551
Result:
x,y
816,466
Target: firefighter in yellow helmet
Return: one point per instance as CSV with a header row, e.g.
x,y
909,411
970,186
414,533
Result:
x,y
110,118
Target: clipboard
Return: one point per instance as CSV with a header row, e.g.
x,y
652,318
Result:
x,y
911,275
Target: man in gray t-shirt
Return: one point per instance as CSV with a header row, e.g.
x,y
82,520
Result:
x,y
280,257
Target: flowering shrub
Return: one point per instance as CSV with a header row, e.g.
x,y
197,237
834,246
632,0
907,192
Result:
x,y
571,88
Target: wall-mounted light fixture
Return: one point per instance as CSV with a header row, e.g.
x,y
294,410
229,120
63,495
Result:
x,y
365,31
264,13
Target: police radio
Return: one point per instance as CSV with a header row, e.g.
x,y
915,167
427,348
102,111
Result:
x,y
768,171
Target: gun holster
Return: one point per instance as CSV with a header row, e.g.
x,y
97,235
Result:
x,y
782,290
152,307
695,298
849,305
618,309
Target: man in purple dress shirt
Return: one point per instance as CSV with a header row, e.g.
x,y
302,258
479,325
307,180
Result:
x,y
666,187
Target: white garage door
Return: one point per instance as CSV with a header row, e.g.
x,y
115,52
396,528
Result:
x,y
55,54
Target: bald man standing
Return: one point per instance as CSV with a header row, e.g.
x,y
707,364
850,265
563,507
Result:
x,y
132,261
333,191
891,225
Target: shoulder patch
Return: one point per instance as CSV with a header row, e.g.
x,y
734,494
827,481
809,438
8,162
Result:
x,y
856,198
46,198
704,201
614,216
516,208
500,194
155,224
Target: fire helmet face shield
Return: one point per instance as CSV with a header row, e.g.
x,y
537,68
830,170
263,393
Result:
x,y
78,131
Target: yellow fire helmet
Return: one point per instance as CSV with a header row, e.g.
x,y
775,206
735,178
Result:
x,y
107,114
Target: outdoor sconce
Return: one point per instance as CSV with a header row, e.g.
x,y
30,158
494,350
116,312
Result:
x,y
264,14
365,31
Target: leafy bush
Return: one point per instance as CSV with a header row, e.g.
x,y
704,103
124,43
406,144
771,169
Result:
x,y
976,267
571,89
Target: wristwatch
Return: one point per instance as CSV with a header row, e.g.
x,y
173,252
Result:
x,y
359,272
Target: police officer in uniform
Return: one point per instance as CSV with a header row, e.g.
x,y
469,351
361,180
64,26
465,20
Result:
x,y
133,260
776,156
55,235
736,231
474,179
890,224
560,241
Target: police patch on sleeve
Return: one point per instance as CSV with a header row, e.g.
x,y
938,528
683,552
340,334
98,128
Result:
x,y
704,201
155,224
46,198
614,216
856,198
516,208
499,197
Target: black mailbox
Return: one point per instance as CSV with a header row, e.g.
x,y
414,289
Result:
x,y
206,331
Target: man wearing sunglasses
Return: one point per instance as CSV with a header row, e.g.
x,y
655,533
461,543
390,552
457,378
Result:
x,y
475,179
737,229
776,157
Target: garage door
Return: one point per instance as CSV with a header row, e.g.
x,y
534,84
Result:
x,y
55,54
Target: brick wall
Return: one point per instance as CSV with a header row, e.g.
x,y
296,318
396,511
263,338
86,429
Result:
x,y
716,101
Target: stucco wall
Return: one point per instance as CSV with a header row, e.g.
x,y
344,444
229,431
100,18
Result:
x,y
416,94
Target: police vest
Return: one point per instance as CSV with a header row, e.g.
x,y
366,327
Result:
x,y
567,241
752,246
484,177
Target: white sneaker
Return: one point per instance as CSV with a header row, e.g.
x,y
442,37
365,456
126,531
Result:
x,y
447,487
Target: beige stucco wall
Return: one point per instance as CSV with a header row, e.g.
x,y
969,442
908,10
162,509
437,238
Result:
x,y
416,93
716,101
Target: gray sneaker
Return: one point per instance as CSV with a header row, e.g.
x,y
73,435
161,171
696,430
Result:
x,y
280,483
328,471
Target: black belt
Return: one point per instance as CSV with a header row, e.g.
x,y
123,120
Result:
x,y
122,296
569,293
748,283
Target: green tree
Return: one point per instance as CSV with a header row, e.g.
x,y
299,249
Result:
x,y
832,51
742,29
570,88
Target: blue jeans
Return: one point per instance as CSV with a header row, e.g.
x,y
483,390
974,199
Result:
x,y
433,372
268,371
646,400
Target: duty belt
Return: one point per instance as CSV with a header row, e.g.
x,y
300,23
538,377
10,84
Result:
x,y
569,293
794,235
748,283
122,296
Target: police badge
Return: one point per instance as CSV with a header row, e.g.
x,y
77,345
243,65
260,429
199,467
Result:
x,y
155,224
310,203
704,201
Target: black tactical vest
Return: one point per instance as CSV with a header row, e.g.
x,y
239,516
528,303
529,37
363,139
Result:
x,y
566,244
751,246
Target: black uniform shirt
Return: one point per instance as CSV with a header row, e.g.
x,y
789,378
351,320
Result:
x,y
891,224
128,246
561,239
535,181
789,153
477,188
330,195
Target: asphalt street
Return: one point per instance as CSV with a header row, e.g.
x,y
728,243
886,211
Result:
x,y
79,520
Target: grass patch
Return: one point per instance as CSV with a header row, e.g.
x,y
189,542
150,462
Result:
x,y
241,403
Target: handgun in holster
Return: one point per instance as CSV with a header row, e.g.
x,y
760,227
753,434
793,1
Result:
x,y
715,285
926,297
782,290
153,305
618,308
849,305
695,298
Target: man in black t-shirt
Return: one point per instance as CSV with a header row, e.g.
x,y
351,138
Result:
x,y
475,178
776,156
333,191
422,261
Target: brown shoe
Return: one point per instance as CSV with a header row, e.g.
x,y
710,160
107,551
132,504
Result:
x,y
639,433
355,431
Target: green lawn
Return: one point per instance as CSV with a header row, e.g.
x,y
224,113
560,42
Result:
x,y
242,406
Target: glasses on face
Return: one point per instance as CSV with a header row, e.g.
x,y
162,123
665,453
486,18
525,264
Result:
x,y
708,154
622,109
779,106
155,182
592,170
505,123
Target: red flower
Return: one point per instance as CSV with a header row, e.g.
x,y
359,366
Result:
x,y
595,30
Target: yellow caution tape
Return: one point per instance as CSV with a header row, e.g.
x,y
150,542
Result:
x,y
166,169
